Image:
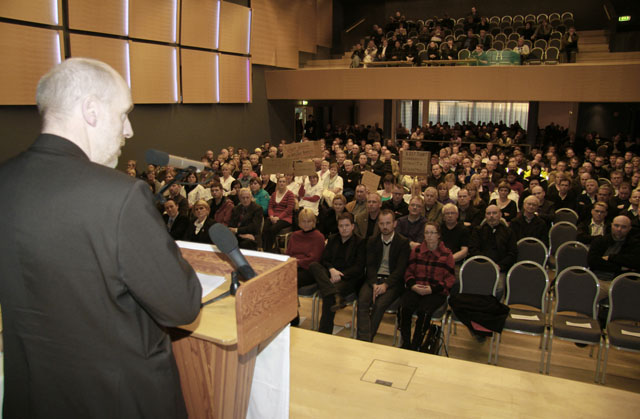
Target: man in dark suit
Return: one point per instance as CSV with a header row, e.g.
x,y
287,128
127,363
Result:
x,y
85,299
177,224
387,258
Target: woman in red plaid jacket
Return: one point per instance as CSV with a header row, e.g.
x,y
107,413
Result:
x,y
428,279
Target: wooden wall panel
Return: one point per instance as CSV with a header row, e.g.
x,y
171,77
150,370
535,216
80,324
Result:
x,y
200,19
263,36
41,11
552,83
114,52
154,73
234,28
153,19
307,25
199,76
99,16
235,79
324,22
286,30
32,52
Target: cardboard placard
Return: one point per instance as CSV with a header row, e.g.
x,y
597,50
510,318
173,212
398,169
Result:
x,y
277,166
304,168
371,181
415,163
303,151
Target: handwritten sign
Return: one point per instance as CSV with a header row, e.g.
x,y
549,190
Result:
x,y
371,181
415,163
277,166
304,168
303,151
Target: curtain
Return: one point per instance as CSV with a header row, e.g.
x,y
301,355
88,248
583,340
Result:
x,y
458,111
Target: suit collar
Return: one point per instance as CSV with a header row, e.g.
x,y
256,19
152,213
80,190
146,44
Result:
x,y
53,144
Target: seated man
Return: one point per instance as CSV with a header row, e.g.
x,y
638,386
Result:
x,y
177,223
367,222
411,226
454,234
546,208
468,214
595,226
221,206
340,272
496,241
633,211
359,204
432,208
528,223
387,258
613,254
397,203
566,197
246,221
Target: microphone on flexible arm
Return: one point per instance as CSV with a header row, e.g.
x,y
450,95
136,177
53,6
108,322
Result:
x,y
226,241
160,158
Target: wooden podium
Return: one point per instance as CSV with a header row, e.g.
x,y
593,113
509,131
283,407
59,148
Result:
x,y
216,353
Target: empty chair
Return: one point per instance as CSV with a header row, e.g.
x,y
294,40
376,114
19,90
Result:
x,y
460,21
527,285
541,17
561,28
498,45
540,43
311,291
623,317
566,15
500,37
530,18
532,249
478,275
555,43
518,18
577,292
512,44
555,35
571,253
494,31
560,233
514,36
507,19
568,22
566,214
419,46
495,19
424,57
554,15
463,54
507,30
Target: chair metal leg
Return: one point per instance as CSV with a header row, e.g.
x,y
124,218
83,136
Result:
x,y
543,344
354,309
395,332
448,324
597,377
549,346
606,359
498,339
493,337
315,306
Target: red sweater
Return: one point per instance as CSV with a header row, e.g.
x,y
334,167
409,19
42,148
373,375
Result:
x,y
284,209
433,268
306,247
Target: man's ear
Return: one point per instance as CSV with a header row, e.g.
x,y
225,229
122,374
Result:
x,y
90,108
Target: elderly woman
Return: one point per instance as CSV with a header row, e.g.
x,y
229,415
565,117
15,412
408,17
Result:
x,y
280,213
428,279
246,220
199,230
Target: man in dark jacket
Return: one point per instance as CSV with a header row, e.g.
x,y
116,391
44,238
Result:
x,y
86,299
528,223
387,258
340,272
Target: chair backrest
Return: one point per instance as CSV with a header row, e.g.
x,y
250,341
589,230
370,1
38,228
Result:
x,y
555,43
552,54
540,43
527,283
559,233
498,45
494,19
494,31
567,15
542,17
463,54
555,35
512,44
501,37
571,253
530,18
508,19
528,43
566,214
518,18
553,16
507,30
532,249
479,275
577,290
514,36
536,54
624,296
419,46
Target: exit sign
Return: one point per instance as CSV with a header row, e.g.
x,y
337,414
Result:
x,y
624,18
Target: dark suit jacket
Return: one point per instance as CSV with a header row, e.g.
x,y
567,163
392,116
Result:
x,y
179,226
89,278
202,236
354,258
249,221
500,246
398,259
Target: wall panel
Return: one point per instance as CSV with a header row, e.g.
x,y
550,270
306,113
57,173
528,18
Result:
x,y
153,19
235,79
40,11
99,16
307,25
324,22
154,73
199,76
114,52
263,36
200,23
32,52
286,30
234,28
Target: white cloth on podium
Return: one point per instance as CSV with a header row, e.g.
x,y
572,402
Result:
x,y
270,388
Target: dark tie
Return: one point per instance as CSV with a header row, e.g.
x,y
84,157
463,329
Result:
x,y
170,223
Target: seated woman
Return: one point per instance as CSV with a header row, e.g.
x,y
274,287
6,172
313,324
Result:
x,y
329,223
199,231
246,220
280,213
195,191
428,279
260,196
386,193
505,202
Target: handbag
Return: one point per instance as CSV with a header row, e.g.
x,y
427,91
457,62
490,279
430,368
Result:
x,y
433,340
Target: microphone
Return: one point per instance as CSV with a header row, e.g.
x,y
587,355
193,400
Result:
x,y
160,158
226,241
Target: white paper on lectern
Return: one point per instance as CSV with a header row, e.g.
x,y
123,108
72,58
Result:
x,y
209,282
270,388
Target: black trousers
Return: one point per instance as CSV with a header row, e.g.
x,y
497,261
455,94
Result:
x,y
424,306
270,232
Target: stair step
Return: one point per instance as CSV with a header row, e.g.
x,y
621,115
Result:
x,y
607,56
593,47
